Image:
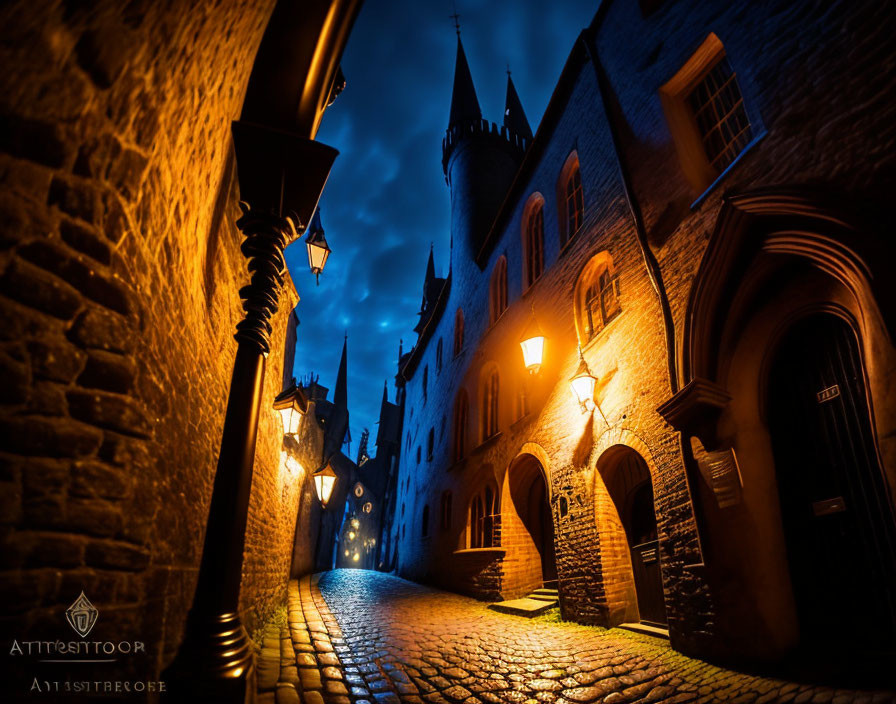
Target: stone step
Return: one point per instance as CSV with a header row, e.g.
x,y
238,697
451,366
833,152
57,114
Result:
x,y
646,629
522,607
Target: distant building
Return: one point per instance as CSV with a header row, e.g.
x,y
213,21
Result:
x,y
697,223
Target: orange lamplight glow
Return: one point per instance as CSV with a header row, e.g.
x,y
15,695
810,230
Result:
x,y
532,344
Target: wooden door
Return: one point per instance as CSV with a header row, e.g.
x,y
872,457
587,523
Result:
x,y
835,507
640,528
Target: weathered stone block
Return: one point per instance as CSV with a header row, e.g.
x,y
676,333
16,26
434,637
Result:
x,y
102,329
106,410
54,437
86,240
103,54
37,289
77,197
90,478
55,359
108,371
37,140
116,555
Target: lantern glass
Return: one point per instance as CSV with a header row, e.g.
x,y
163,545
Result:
x,y
533,353
292,417
318,251
324,480
583,389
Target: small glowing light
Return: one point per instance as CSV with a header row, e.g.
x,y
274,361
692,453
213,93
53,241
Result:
x,y
582,384
324,480
368,507
351,535
373,541
318,249
532,344
356,557
356,523
292,405
346,553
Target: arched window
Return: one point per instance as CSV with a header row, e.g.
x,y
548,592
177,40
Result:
x,y
461,411
597,296
533,239
498,289
424,524
439,355
570,198
490,404
430,441
446,510
484,520
458,332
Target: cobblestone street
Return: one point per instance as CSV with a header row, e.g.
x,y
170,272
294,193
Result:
x,y
359,637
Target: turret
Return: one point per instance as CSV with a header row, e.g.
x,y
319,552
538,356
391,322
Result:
x,y
479,160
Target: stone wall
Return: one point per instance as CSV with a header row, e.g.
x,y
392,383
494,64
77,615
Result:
x,y
119,276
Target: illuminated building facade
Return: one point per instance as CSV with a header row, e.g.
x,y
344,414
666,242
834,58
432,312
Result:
x,y
695,225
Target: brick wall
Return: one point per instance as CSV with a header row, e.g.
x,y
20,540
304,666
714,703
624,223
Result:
x,y
826,119
119,276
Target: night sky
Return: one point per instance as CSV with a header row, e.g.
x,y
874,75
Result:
x,y
386,199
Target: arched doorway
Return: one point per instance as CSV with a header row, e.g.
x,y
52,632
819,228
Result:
x,y
529,493
627,480
837,518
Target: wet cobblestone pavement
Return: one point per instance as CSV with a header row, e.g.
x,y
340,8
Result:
x,y
390,641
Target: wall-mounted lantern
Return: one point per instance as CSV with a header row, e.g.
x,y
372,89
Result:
x,y
293,405
532,344
324,481
318,249
583,383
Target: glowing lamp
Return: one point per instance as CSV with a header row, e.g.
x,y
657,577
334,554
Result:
x,y
351,535
356,523
292,404
324,480
582,384
532,344
318,251
356,557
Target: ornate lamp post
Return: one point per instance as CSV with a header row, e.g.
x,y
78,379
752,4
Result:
x,y
281,172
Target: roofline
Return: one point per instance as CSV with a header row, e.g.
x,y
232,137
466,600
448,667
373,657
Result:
x,y
417,351
576,59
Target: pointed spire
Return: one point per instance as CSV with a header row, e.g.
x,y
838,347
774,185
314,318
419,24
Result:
x,y
430,267
340,395
464,104
385,393
514,116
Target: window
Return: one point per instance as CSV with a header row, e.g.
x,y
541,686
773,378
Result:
x,y
461,411
446,510
425,381
430,441
439,356
706,114
571,199
564,507
424,524
498,289
458,332
490,405
597,296
533,239
484,520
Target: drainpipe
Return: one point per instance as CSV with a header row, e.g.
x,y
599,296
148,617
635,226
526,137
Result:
x,y
650,263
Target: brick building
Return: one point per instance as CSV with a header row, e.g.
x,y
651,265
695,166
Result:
x,y
698,224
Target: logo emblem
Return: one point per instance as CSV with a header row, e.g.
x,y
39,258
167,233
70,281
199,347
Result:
x,y
81,615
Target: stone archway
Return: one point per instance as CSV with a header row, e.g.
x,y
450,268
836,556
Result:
x,y
630,552
527,528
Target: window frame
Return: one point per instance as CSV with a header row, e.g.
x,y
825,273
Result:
x,y
571,171
683,125
497,290
458,332
533,240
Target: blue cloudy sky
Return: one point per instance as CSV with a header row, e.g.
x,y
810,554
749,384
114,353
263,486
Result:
x,y
386,199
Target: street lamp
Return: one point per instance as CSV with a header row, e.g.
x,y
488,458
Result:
x,y
532,344
582,384
292,405
318,249
324,481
